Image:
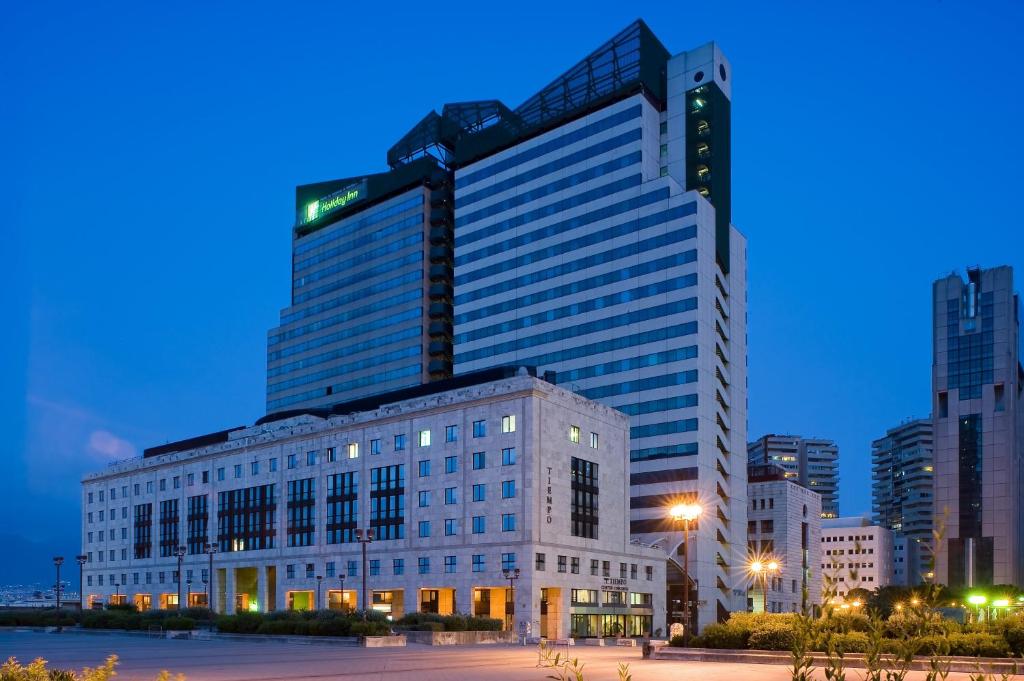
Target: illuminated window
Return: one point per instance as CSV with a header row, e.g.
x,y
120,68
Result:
x,y
574,434
508,424
424,438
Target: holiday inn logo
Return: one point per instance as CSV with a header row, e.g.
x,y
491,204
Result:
x,y
320,207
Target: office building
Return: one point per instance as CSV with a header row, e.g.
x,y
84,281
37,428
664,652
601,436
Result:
x,y
808,461
977,414
459,480
854,555
783,525
901,496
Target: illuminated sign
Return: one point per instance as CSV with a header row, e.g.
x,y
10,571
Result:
x,y
318,208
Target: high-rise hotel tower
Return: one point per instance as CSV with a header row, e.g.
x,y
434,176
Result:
x,y
586,232
598,244
978,421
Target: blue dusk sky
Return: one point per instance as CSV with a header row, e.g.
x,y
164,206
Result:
x,y
150,153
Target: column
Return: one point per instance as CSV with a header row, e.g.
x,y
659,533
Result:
x,y
229,590
261,588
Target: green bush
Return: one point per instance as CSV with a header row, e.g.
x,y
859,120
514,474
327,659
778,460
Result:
x,y
424,621
179,624
772,636
840,622
721,636
1013,634
242,623
679,641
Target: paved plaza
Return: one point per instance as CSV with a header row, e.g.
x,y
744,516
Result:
x,y
142,658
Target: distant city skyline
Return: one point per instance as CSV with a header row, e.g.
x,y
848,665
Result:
x,y
150,204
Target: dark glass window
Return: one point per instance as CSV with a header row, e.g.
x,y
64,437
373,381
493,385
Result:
x,y
301,512
583,512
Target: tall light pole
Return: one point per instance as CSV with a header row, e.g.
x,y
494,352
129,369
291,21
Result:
x,y
319,581
686,513
180,553
57,562
188,592
364,537
210,548
760,569
510,607
341,577
117,593
82,560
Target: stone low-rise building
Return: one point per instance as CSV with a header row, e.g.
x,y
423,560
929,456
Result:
x,y
855,555
783,525
460,481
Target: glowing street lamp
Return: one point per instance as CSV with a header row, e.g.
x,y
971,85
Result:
x,y
759,570
686,514
977,600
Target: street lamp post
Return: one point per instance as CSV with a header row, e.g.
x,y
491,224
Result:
x,y
319,581
341,578
180,552
57,562
686,513
188,592
210,548
510,608
364,537
117,593
760,570
82,560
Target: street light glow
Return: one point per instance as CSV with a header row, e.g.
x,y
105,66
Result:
x,y
977,599
688,512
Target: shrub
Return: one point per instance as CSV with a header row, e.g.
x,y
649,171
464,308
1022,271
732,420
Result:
x,y
680,641
179,624
242,623
839,622
37,671
122,607
721,636
423,621
1013,634
772,636
967,645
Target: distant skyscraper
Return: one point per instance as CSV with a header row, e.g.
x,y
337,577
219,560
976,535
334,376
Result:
x,y
979,438
901,494
811,462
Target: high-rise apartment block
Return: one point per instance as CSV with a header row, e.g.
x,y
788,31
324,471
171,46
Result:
x,y
901,496
586,232
977,413
784,525
811,462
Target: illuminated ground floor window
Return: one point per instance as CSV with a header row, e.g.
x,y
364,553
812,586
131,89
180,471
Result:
x,y
607,626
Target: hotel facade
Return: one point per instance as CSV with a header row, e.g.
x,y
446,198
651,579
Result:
x,y
460,481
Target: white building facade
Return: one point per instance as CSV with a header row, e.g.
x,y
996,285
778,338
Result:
x,y
458,482
855,555
783,525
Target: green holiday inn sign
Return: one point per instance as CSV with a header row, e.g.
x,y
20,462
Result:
x,y
325,205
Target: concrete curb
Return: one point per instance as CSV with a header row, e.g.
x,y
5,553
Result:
x,y
850,660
